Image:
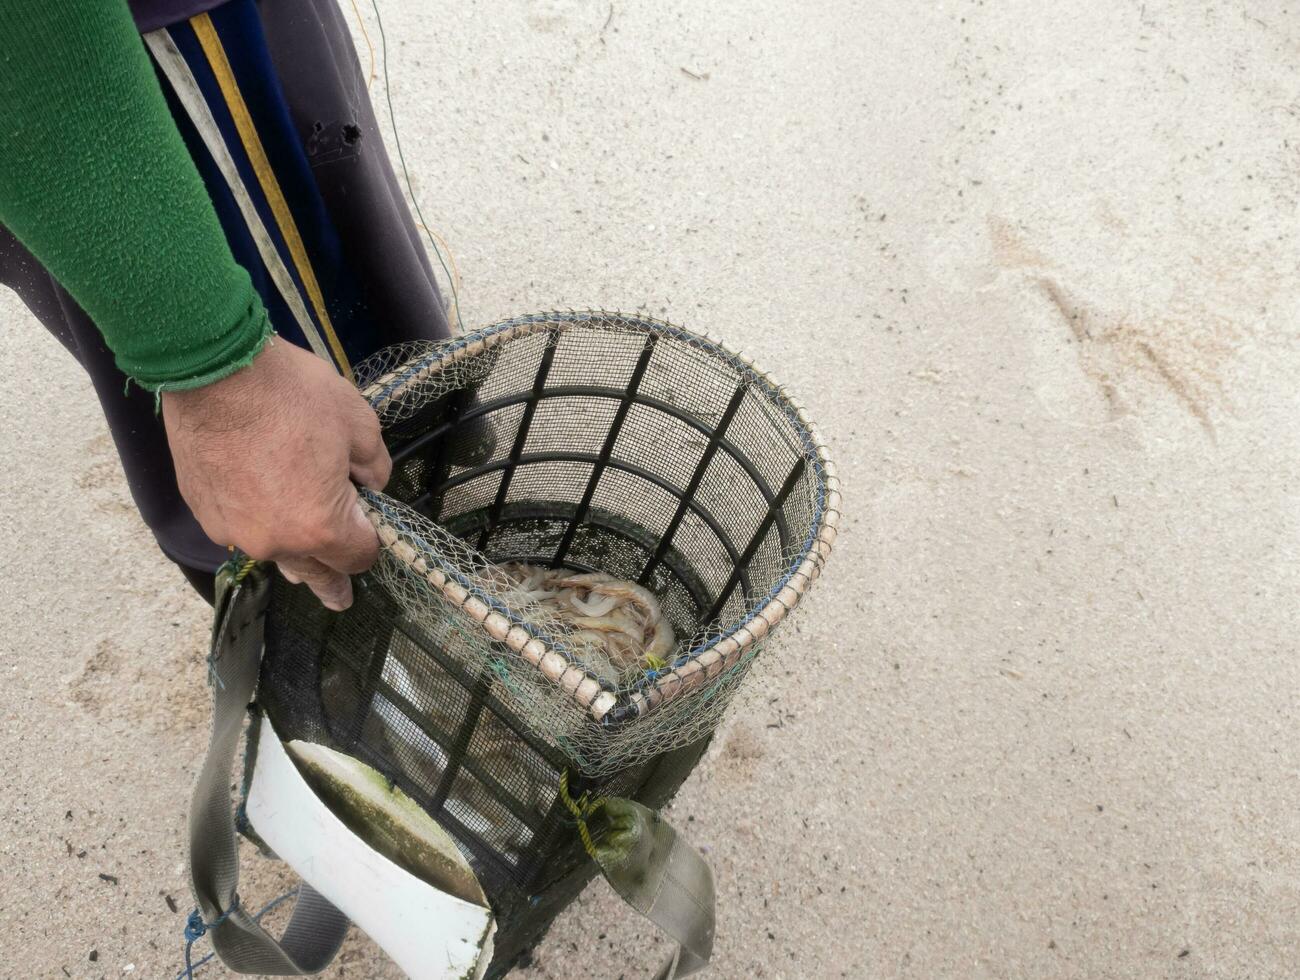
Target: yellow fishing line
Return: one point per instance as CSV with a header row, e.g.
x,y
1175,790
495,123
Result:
x,y
361,23
581,808
406,173
455,269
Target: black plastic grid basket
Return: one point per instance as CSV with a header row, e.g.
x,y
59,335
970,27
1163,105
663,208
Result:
x,y
592,441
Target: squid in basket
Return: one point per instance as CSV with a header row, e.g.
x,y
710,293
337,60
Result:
x,y
595,521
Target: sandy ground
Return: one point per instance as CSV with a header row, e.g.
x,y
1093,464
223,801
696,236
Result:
x,y
1033,267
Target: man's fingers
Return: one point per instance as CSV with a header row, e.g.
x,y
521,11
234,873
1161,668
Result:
x,y
370,463
352,548
373,474
333,588
355,545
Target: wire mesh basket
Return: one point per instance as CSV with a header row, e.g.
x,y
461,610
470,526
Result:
x,y
598,444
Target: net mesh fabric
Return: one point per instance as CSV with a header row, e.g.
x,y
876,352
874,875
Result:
x,y
596,442
591,441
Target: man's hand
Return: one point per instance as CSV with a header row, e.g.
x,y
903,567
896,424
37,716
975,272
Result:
x,y
265,458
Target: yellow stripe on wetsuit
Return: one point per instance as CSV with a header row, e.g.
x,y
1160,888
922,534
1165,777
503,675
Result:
x,y
216,55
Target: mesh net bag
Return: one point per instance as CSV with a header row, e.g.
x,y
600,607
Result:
x,y
620,458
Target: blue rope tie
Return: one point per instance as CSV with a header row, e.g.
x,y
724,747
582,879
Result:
x,y
195,928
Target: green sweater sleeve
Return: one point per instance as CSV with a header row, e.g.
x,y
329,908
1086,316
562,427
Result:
x,y
97,183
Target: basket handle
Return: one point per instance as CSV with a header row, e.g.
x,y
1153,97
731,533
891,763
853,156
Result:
x,y
654,870
316,930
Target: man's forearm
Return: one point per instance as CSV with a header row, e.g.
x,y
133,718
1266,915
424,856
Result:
x,y
96,181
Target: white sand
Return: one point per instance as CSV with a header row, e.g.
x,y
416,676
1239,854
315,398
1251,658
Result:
x,y
1033,267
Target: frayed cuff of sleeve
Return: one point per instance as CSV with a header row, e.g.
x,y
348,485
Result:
x,y
243,360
